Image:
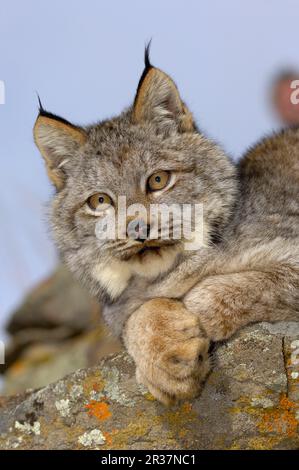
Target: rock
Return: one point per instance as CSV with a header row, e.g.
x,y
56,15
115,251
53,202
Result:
x,y
250,401
57,330
57,301
44,363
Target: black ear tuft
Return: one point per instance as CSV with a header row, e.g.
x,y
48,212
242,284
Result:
x,y
147,67
147,62
43,112
40,106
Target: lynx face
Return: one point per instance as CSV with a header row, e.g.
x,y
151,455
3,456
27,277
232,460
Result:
x,y
151,154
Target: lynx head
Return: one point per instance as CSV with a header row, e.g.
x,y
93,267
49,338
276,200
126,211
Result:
x,y
152,153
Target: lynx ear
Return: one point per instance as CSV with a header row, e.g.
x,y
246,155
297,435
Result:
x,y
157,99
57,140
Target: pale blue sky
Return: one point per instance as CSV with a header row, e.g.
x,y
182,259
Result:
x,y
85,57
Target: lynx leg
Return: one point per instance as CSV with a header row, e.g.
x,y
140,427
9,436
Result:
x,y
228,302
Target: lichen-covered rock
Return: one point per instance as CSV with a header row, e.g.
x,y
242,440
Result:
x,y
250,401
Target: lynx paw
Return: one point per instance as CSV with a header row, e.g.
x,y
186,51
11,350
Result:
x,y
169,348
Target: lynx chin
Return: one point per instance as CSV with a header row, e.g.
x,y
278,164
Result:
x,y
167,303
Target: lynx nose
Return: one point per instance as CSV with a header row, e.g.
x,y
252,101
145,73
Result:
x,y
138,230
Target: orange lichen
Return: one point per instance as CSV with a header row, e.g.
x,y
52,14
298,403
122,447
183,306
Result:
x,y
93,383
108,438
187,407
120,438
98,409
178,423
17,367
280,420
96,387
179,417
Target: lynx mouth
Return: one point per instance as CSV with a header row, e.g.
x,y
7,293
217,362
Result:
x,y
156,246
146,250
149,249
151,259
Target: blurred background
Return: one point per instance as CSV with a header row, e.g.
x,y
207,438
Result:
x,y
233,62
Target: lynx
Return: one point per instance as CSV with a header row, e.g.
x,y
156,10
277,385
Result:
x,y
167,303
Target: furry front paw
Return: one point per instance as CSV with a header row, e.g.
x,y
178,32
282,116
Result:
x,y
170,350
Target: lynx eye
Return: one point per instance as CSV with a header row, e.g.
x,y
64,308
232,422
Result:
x,y
158,180
99,201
